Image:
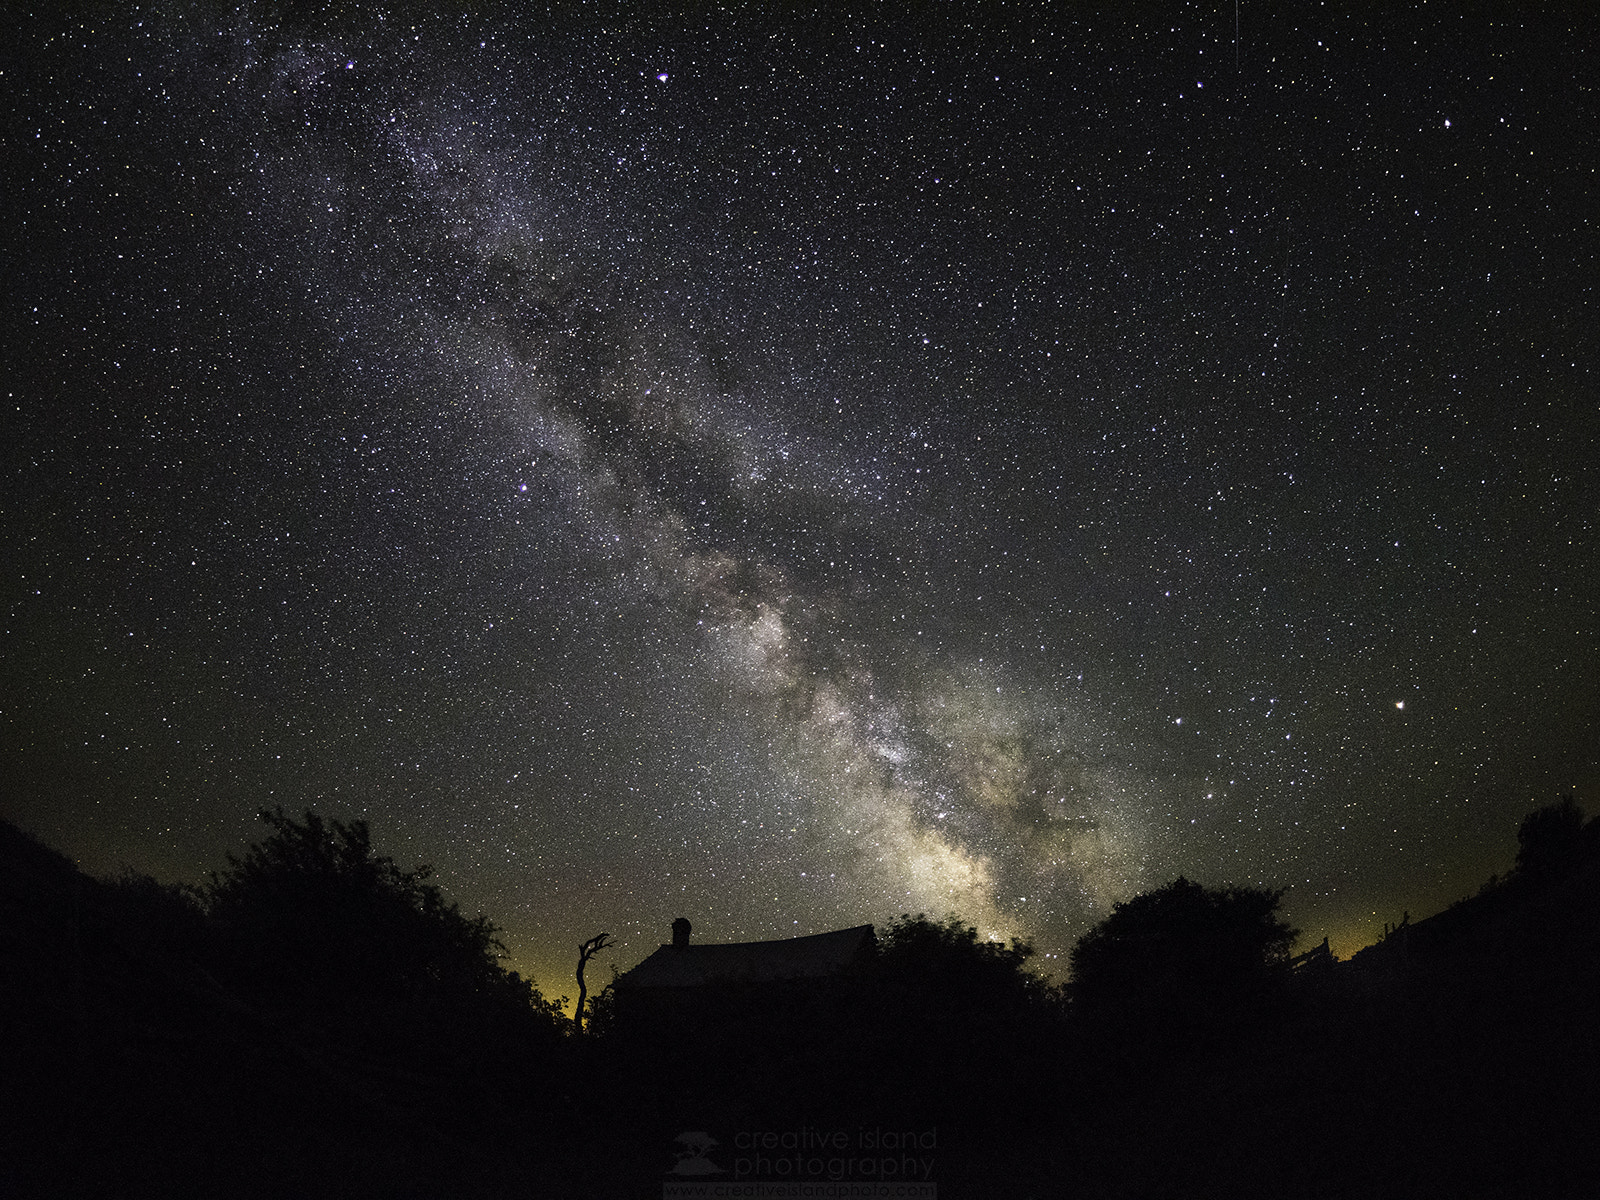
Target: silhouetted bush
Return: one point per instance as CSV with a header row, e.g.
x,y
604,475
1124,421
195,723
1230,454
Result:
x,y
313,925
944,973
1183,960
1550,839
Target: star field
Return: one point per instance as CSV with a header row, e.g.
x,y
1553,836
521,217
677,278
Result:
x,y
793,470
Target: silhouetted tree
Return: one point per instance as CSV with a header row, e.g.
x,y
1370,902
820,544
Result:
x,y
1183,958
938,1009
314,923
585,952
1550,839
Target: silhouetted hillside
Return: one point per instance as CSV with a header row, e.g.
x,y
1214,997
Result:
x,y
1540,921
1458,1057
319,1022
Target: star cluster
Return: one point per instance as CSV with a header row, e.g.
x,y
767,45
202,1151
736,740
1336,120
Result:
x,y
794,470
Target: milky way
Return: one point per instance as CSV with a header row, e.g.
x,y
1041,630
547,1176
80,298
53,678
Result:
x,y
793,471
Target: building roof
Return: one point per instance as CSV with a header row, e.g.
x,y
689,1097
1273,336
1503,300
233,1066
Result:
x,y
750,962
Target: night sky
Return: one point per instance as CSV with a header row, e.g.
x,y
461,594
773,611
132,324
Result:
x,y
788,470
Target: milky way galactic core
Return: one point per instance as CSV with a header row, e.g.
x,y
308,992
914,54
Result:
x,y
790,471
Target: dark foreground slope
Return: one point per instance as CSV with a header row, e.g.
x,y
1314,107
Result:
x,y
139,1059
1457,1058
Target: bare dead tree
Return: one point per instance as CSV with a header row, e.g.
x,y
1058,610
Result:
x,y
585,952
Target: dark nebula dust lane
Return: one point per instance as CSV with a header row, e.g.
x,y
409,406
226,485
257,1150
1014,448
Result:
x,y
794,470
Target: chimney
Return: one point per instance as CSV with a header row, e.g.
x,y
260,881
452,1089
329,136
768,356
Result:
x,y
680,933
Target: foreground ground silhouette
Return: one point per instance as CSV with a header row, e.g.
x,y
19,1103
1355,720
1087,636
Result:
x,y
319,1022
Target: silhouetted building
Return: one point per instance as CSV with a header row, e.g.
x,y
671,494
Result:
x,y
676,974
